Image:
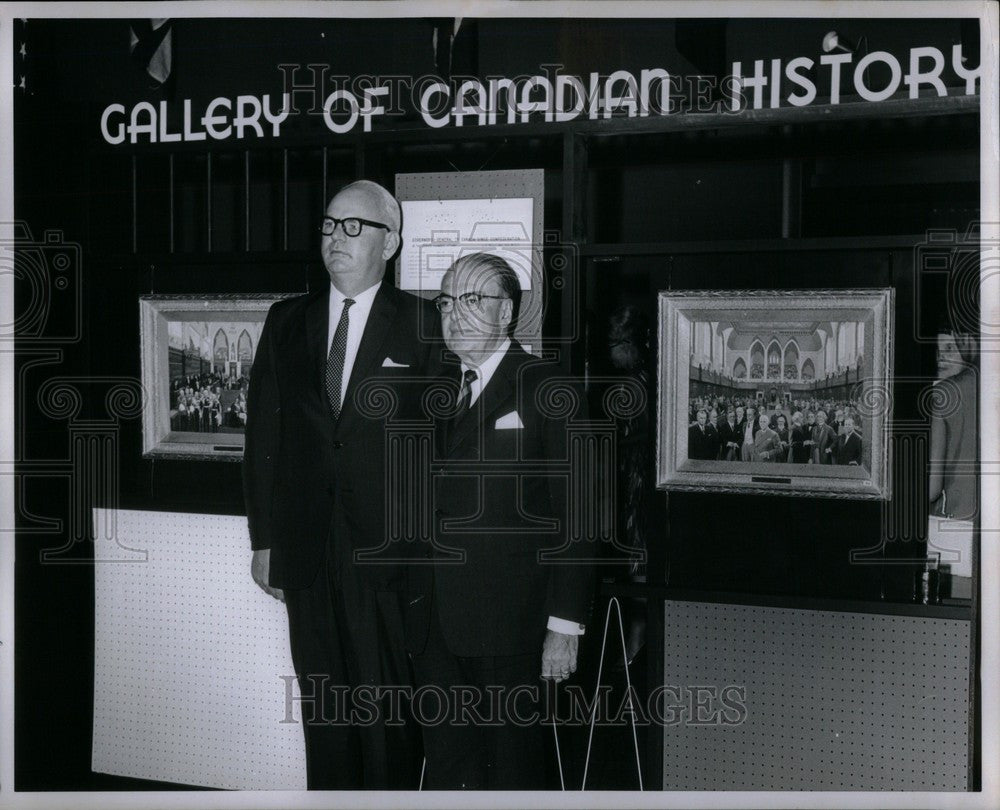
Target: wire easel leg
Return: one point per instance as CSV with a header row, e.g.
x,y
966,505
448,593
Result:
x,y
597,690
555,734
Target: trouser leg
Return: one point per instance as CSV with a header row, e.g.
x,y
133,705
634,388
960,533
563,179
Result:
x,y
333,750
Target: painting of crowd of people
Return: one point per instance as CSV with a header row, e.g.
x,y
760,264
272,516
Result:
x,y
210,365
752,382
792,431
209,403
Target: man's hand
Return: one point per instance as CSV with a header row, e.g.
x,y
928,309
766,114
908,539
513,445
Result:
x,y
559,655
260,568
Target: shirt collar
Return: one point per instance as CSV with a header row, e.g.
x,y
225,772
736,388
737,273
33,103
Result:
x,y
489,365
363,298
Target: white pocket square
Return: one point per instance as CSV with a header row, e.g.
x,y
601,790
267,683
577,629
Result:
x,y
510,421
390,363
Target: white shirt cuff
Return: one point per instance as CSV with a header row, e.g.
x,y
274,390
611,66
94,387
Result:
x,y
565,627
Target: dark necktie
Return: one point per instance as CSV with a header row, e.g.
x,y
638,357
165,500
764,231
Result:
x,y
335,360
464,401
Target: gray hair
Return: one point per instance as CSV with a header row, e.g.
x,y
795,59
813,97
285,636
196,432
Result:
x,y
491,266
387,204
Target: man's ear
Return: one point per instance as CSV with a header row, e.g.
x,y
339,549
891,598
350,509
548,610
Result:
x,y
506,312
391,245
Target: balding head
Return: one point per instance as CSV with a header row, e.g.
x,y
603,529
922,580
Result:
x,y
387,204
356,263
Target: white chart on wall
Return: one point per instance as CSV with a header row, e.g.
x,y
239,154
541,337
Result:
x,y
440,231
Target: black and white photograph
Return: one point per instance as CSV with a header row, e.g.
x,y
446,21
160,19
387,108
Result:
x,y
513,404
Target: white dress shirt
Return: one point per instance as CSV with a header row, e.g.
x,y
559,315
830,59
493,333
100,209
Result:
x,y
357,317
485,370
484,373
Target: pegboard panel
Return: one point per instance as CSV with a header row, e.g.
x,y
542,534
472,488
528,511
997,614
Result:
x,y
834,701
188,656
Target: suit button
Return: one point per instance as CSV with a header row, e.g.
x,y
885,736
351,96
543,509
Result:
x,y
337,445
438,512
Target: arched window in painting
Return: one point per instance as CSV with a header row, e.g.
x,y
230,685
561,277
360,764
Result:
x,y
245,347
245,353
774,361
808,370
739,369
757,362
791,370
220,352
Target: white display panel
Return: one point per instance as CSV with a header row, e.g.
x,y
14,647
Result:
x,y
440,231
189,656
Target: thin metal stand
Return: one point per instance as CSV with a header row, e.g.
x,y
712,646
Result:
x,y
628,687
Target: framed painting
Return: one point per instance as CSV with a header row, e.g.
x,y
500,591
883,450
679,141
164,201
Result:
x,y
775,391
197,360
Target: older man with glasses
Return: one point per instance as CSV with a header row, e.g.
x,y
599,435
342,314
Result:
x,y
315,486
507,591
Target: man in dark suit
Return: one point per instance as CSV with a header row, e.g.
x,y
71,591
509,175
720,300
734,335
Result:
x,y
824,440
506,592
741,418
315,483
729,438
837,425
703,441
800,439
848,450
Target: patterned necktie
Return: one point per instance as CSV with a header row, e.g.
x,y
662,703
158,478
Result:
x,y
464,401
335,360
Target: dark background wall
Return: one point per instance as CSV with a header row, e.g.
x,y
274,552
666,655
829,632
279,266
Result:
x,y
867,191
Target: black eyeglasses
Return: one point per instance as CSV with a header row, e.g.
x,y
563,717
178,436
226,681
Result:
x,y
473,300
351,225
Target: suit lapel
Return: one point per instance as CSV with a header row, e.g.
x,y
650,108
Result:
x,y
499,390
377,330
317,328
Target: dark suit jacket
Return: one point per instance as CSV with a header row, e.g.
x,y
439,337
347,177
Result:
x,y
848,449
305,475
800,450
726,435
702,445
784,436
501,499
